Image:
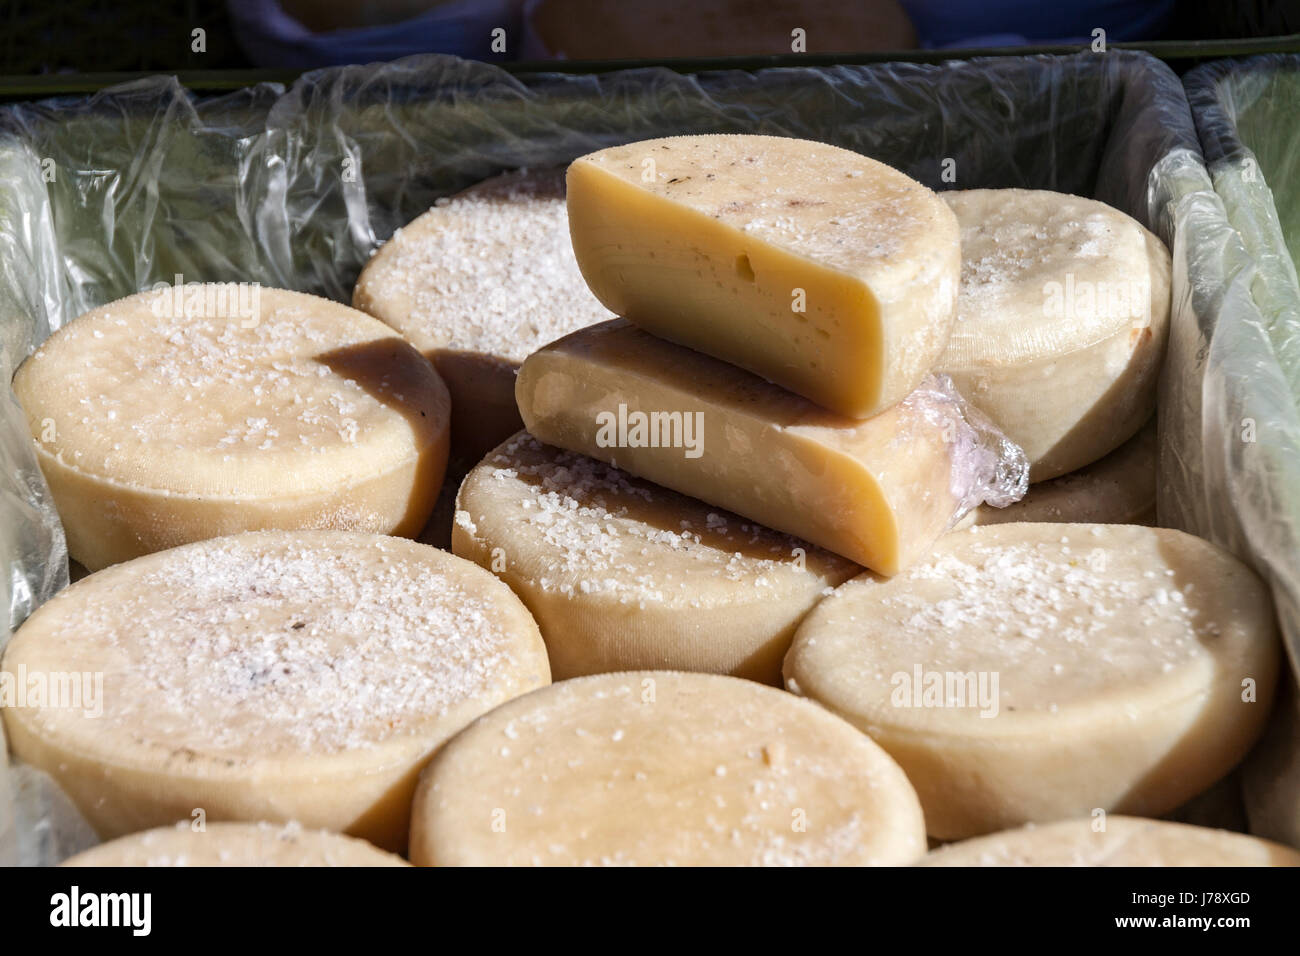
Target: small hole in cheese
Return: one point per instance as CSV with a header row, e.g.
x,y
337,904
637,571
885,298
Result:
x,y
743,268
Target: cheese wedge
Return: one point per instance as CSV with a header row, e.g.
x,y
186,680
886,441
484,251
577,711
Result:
x,y
478,282
826,272
269,676
660,768
1113,840
235,844
1034,672
1061,322
192,412
878,492
1118,489
621,574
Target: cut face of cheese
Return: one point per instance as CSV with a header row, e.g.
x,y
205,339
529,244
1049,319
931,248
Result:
x,y
1061,322
477,283
624,575
661,768
1118,489
167,418
878,492
267,676
1124,841
235,844
1035,672
814,267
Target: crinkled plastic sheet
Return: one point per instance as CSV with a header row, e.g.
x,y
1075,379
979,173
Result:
x,y
103,196
1245,342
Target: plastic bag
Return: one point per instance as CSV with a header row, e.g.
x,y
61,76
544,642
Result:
x,y
1245,344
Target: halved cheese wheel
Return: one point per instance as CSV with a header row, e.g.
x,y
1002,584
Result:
x,y
663,768
477,283
192,412
1036,672
1062,318
235,844
621,574
814,267
268,676
1113,840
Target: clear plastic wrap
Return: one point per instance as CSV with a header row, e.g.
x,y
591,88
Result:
x,y
103,196
1232,469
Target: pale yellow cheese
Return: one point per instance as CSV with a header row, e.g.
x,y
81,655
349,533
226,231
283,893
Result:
x,y
1113,840
268,676
662,768
621,574
1118,489
477,283
878,492
1061,322
235,844
815,267
1035,672
162,419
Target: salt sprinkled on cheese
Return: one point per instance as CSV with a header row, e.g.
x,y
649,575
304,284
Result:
x,y
488,270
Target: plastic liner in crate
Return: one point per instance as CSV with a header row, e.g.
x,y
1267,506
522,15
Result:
x,y
104,196
1247,343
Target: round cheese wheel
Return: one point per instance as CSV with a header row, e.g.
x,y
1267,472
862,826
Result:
x,y
1035,672
1113,841
267,676
1271,777
192,412
622,574
235,844
1118,489
657,767
1062,318
478,283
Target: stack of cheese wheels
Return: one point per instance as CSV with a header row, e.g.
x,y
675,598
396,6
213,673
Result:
x,y
235,844
1061,322
1036,672
269,676
190,412
477,283
663,768
781,302
621,574
1111,840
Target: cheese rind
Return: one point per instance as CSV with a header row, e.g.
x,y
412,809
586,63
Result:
x,y
157,426
235,844
663,768
621,574
1061,323
814,267
477,283
1124,841
1118,489
878,492
1035,672
268,676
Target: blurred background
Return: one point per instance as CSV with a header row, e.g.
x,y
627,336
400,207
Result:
x,y
89,36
